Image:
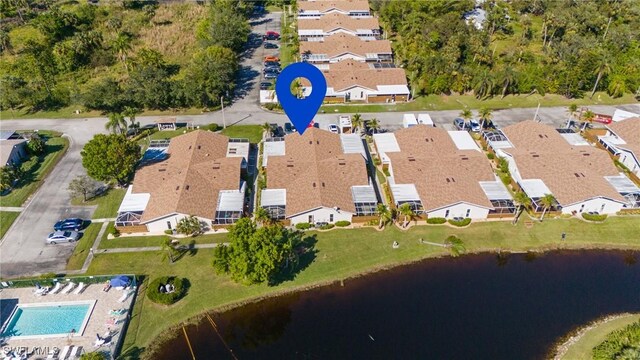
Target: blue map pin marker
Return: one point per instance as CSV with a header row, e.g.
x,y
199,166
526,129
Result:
x,y
301,111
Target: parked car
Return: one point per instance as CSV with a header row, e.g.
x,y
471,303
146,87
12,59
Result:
x,y
69,224
269,45
271,70
265,85
474,125
271,63
276,130
334,128
271,35
62,236
289,128
459,123
270,75
271,58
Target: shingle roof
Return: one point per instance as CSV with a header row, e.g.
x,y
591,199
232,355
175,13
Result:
x,y
629,131
572,174
6,148
338,44
348,73
315,172
334,21
189,181
324,6
442,174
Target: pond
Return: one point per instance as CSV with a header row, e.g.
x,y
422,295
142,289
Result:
x,y
473,307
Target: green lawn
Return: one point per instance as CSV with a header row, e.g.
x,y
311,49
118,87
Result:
x,y
582,349
81,250
69,113
6,219
35,171
251,132
346,253
146,241
108,203
453,102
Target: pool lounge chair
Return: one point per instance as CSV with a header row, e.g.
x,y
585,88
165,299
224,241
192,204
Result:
x,y
43,290
80,288
124,296
76,352
68,288
55,289
64,353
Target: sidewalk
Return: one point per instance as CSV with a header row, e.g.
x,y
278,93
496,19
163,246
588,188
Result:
x,y
152,248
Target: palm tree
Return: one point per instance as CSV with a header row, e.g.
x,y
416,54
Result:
x,y
523,202
167,250
121,45
407,212
466,114
455,245
604,68
547,202
384,214
356,121
131,113
116,123
262,216
266,129
588,117
374,124
572,110
485,117
484,85
297,89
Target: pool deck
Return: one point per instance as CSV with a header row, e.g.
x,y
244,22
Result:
x,y
97,323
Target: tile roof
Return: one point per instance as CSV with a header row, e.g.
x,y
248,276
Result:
x,y
189,181
542,153
315,172
338,44
348,73
334,21
324,6
442,174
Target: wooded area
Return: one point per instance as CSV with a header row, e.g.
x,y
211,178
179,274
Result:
x,y
564,47
128,54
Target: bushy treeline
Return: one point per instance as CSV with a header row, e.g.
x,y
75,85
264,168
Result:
x,y
57,55
620,344
546,46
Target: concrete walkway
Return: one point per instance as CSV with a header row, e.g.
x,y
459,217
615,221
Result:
x,y
104,220
96,244
11,208
152,248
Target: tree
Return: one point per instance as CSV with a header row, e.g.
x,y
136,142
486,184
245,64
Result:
x,y
485,117
121,45
603,69
384,215
7,177
374,125
167,250
95,355
256,255
547,201
82,185
262,216
523,202
35,145
110,158
189,226
572,110
224,26
266,129
356,121
116,123
210,75
407,212
587,117
455,245
131,113
104,95
466,114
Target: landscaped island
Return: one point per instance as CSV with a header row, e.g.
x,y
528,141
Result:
x,y
341,254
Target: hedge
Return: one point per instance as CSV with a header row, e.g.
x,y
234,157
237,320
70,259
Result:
x,y
490,156
594,217
463,222
342,223
436,220
327,227
623,343
154,294
303,226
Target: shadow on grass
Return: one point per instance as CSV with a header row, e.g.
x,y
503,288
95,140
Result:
x,y
305,253
188,249
132,353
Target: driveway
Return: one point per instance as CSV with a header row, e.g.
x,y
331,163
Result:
x,y
23,250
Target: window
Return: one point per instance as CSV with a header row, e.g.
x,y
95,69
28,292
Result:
x,y
446,214
310,219
330,217
602,208
169,225
227,217
468,213
581,207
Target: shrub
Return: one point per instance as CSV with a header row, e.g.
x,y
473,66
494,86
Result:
x,y
377,161
303,226
327,227
342,223
490,156
506,179
211,127
463,222
620,344
190,226
436,220
168,232
115,232
154,294
594,217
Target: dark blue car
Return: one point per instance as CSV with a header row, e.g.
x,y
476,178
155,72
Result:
x,y
69,224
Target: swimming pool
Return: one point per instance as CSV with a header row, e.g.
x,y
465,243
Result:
x,y
30,321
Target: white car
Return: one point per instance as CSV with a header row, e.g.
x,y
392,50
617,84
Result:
x,y
62,236
334,128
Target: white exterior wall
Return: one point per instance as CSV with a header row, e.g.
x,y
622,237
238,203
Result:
x,y
626,157
322,215
460,210
347,56
358,93
160,225
595,204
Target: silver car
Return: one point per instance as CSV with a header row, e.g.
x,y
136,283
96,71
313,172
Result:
x,y
62,236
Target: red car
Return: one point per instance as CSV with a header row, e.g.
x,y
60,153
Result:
x,y
271,35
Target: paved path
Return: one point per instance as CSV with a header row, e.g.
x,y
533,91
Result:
x,y
96,245
11,208
152,248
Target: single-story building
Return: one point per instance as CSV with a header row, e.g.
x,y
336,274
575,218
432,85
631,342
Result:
x,y
166,124
342,46
13,148
317,177
544,160
623,140
316,29
441,174
199,175
319,8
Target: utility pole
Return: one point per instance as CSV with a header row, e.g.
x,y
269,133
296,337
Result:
x,y
224,122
